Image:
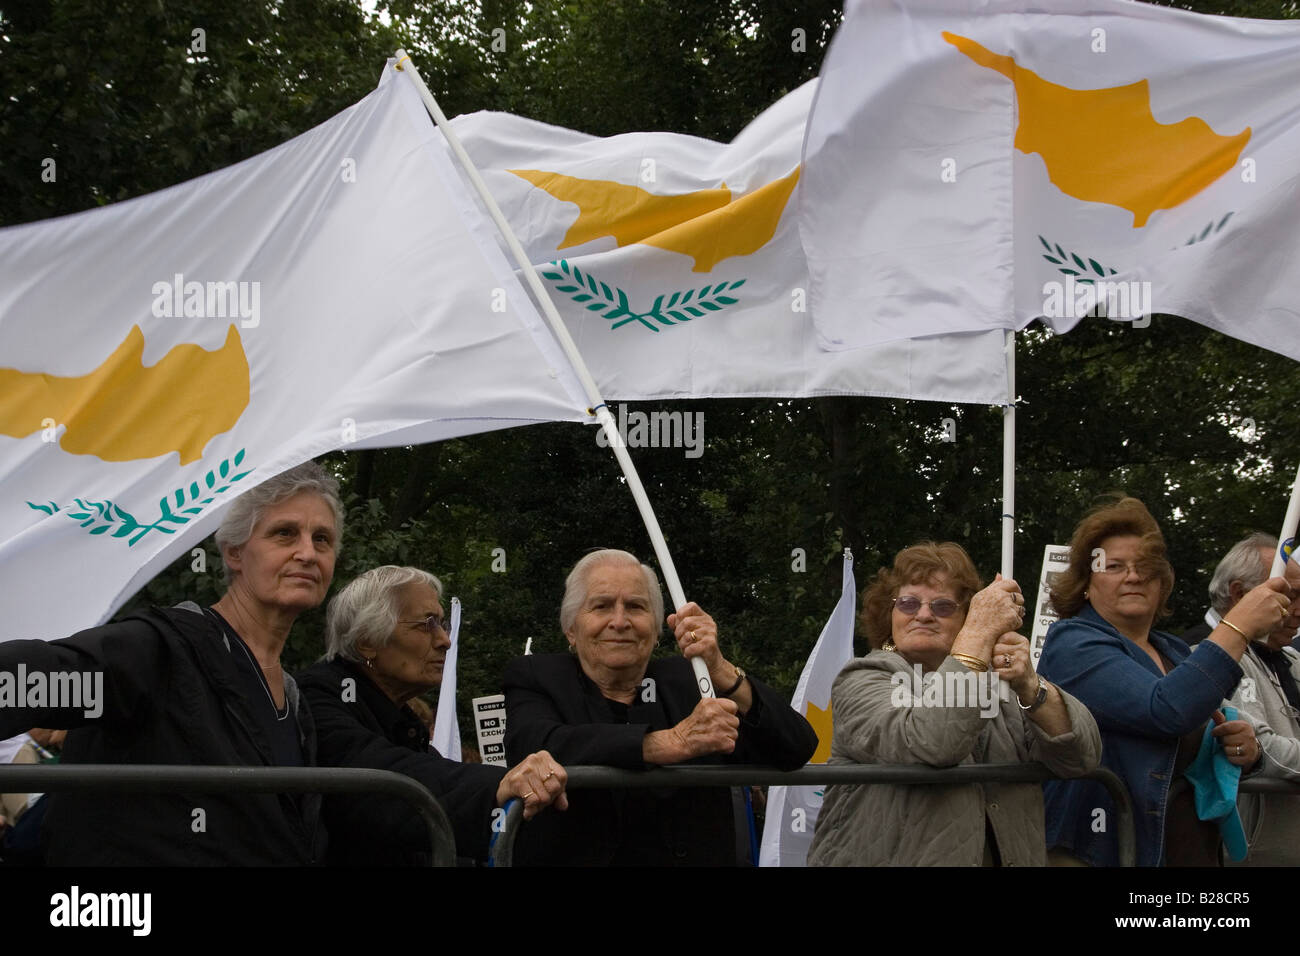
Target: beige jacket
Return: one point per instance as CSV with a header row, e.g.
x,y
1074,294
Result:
x,y
879,718
1271,820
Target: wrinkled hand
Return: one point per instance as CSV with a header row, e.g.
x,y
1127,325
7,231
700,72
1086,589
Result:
x,y
696,633
697,636
1262,609
1237,737
1011,661
711,728
999,608
538,780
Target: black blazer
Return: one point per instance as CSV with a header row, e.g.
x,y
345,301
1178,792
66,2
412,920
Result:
x,y
552,705
363,728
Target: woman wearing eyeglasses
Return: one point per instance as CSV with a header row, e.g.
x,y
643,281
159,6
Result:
x,y
930,693
386,642
1151,695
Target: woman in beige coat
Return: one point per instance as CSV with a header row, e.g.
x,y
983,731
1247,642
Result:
x,y
932,693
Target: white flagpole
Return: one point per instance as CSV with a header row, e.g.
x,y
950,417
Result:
x,y
1009,459
598,407
1288,526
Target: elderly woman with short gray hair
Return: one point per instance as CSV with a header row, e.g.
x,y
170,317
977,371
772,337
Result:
x,y
199,685
386,642
608,703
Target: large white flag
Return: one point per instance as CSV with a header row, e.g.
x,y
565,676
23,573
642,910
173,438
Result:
x,y
676,264
160,356
792,811
979,169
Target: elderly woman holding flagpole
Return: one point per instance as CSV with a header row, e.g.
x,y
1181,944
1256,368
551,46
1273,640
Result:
x,y
929,694
608,703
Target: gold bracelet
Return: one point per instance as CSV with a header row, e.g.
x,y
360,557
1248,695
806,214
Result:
x,y
1223,620
974,663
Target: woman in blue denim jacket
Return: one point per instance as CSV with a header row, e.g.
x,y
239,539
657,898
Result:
x,y
1150,694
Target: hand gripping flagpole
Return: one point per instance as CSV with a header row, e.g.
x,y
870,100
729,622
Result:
x,y
1288,527
1009,459
598,407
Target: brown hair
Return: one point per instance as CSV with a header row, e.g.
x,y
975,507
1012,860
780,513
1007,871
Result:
x,y
1114,515
922,563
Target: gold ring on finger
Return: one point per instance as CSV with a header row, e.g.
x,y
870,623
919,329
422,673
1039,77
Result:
x,y
527,795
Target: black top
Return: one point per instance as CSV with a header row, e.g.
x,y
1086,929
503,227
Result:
x,y
279,726
552,705
360,726
1189,840
172,695
640,842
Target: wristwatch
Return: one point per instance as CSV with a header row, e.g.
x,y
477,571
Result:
x,y
1040,695
740,679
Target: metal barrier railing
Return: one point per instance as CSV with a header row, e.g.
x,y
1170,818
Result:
x,y
502,853
1269,785
167,778
1246,785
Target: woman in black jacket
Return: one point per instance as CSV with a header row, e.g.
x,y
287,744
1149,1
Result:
x,y
192,685
609,703
386,642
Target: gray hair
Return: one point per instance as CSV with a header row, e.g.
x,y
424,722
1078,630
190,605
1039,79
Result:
x,y
1240,564
366,611
575,585
247,510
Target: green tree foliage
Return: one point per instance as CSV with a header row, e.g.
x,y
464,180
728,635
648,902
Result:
x,y
118,96
128,97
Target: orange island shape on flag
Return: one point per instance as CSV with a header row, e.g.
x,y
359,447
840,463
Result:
x,y
822,723
706,225
1160,164
124,410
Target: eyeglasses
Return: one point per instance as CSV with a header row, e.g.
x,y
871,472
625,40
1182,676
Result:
x,y
939,607
432,624
1145,569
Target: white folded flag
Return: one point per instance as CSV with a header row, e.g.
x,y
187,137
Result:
x,y
446,727
979,169
676,264
792,811
160,356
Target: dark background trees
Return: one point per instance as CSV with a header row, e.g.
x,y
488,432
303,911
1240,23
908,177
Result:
x,y
118,96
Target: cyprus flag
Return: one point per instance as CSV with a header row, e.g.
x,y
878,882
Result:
x,y
974,170
161,356
676,264
792,811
